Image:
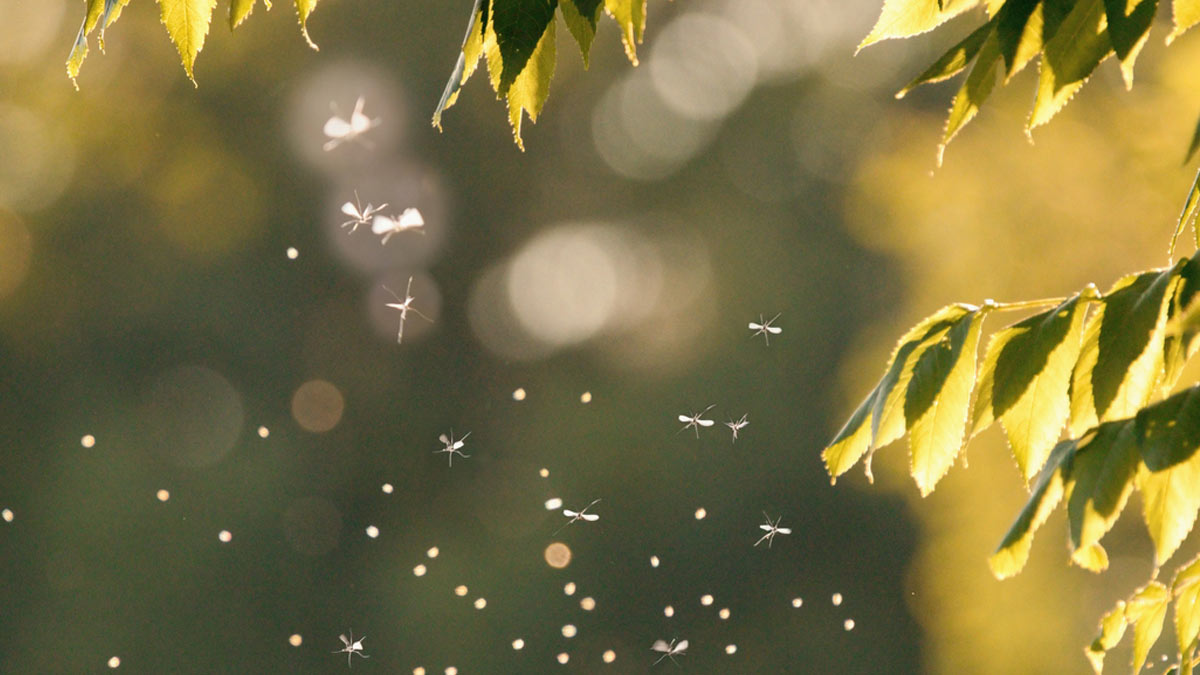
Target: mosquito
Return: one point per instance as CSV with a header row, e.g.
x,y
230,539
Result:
x,y
358,214
352,647
735,426
392,225
339,130
581,514
453,447
404,307
764,327
772,529
695,422
669,650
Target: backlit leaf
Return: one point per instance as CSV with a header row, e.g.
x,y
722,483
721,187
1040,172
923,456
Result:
x,y
1026,374
580,17
1078,46
973,92
100,13
1146,611
1013,551
1169,435
303,9
1128,27
239,10
1112,629
187,23
1018,30
938,397
1185,591
630,15
905,18
1185,14
1099,486
952,62
1182,330
468,60
1189,209
529,90
520,26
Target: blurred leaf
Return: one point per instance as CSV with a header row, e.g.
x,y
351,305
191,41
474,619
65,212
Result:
x,y
1169,435
952,62
239,10
112,12
581,17
1026,374
1112,629
1078,46
937,401
520,27
1146,611
187,24
1099,486
1121,359
529,91
1182,327
99,12
1185,14
1092,558
1185,591
303,9
468,60
1128,27
1189,208
630,15
1013,551
905,18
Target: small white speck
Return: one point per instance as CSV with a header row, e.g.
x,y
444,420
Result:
x,y
654,561
563,658
372,531
544,472
553,504
518,644
292,253
730,649
225,536
724,613
797,602
419,670
87,442
609,656
706,600
450,670
569,589
460,591
480,603
569,631
837,599
114,662
585,397
668,611
162,495
263,432
432,552
849,624
701,513
295,640
588,603
419,571
519,394
7,514
387,488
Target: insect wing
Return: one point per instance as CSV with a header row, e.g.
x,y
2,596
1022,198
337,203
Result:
x,y
344,640
590,517
755,326
705,423
773,330
766,528
684,418
784,530
411,218
458,445
571,514
678,649
382,224
443,439
351,209
336,127
661,646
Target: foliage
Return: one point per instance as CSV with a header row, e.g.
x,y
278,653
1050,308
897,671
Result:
x,y
186,22
1071,37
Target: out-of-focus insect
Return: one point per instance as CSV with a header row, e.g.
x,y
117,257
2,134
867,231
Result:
x,y
340,130
351,647
695,422
765,329
404,306
358,214
669,649
581,514
772,529
736,426
388,226
453,447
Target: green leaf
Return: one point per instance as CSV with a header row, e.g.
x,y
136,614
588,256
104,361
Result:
x,y
1112,629
187,23
1026,374
520,26
1189,209
1018,43
1078,46
99,13
581,17
1146,611
1128,27
529,90
1121,359
1193,145
1185,591
952,62
1013,551
974,91
937,401
861,431
1099,486
1169,435
468,60
905,18
303,9
1182,329
630,15
1185,13
239,10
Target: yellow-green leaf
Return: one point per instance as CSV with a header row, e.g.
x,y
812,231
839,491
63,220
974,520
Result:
x,y
1092,558
973,92
1185,591
952,62
1189,209
529,90
239,10
520,27
303,9
1078,46
187,23
1185,14
1019,30
468,60
630,15
1182,331
1169,435
581,17
1026,373
938,397
1121,360
1099,485
99,13
112,11
1128,27
1013,551
1146,611
905,18
1112,629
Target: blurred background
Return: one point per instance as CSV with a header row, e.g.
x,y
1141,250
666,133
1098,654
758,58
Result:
x,y
190,345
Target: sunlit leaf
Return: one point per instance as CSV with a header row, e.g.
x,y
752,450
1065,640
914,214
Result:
x,y
187,23
1078,46
1018,30
1185,591
529,90
468,60
1013,551
1112,629
303,9
973,92
905,18
1121,359
630,15
100,13
1026,373
1146,611
1128,27
1189,210
937,401
1185,14
1187,157
1182,330
1092,558
520,26
1169,435
581,17
239,10
1099,486
112,11
952,62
